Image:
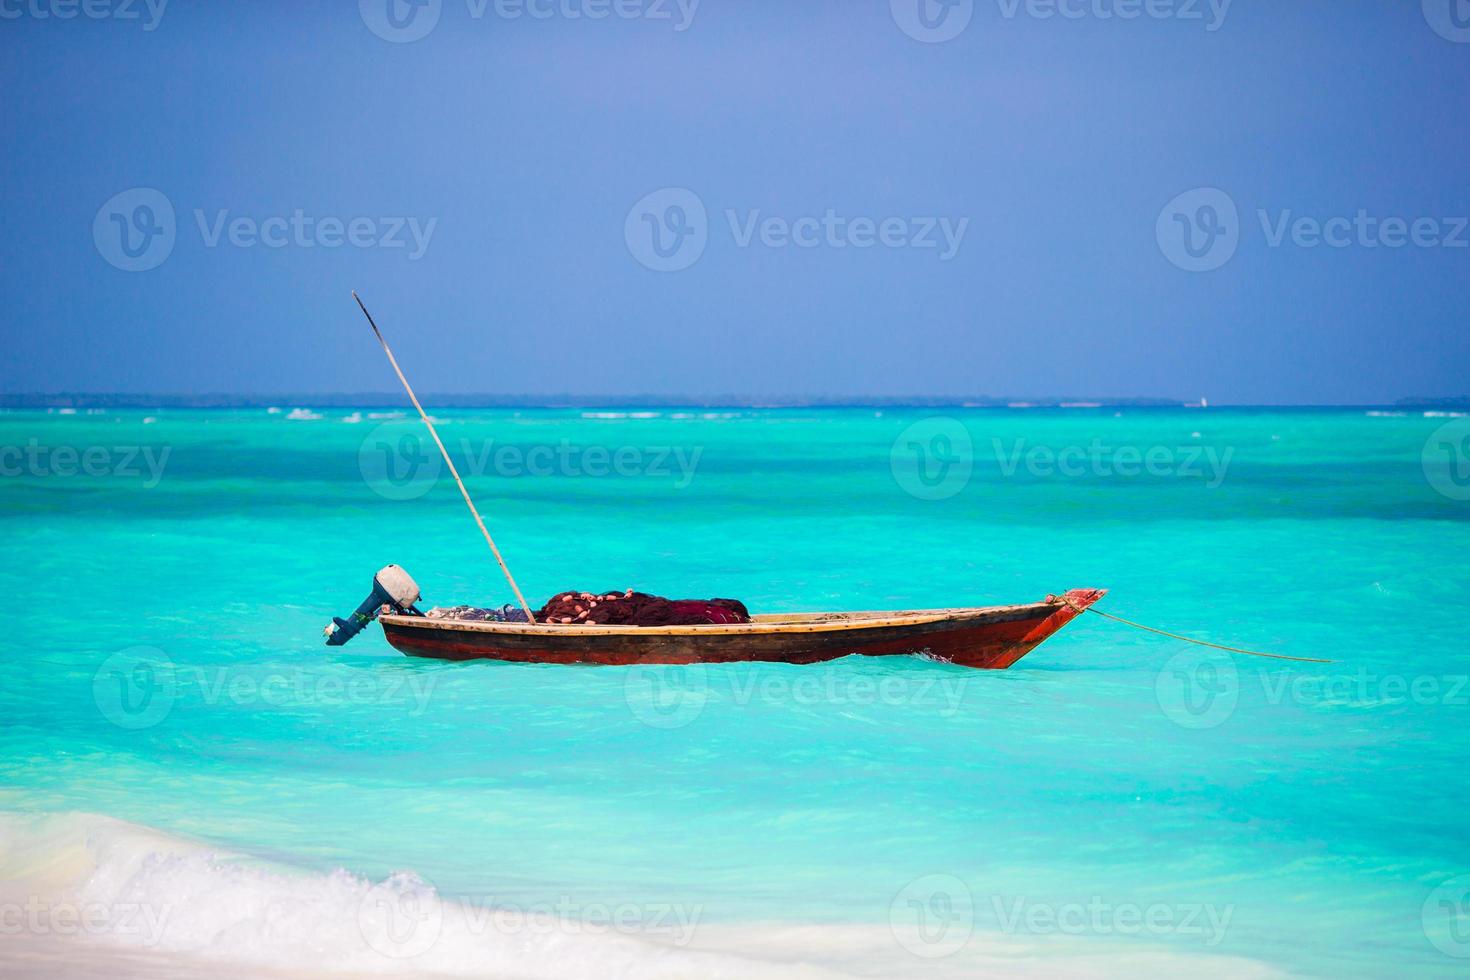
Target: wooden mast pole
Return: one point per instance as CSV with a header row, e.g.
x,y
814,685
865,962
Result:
x,y
530,617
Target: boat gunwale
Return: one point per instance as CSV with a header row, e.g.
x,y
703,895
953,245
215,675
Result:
x,y
777,623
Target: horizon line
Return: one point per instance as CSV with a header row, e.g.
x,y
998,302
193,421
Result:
x,y
565,400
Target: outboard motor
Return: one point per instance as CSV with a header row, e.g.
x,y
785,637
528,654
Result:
x,y
392,588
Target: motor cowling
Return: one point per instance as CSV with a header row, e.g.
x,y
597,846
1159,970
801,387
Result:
x,y
393,590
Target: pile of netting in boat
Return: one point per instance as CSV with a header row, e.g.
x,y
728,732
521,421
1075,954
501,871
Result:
x,y
627,608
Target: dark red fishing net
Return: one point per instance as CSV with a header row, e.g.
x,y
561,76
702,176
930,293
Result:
x,y
631,608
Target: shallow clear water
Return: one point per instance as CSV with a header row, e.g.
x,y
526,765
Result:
x,y
1299,815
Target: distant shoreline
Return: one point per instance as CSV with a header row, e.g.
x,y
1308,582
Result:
x,y
390,400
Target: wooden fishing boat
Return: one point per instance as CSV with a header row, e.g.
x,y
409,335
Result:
x,y
991,637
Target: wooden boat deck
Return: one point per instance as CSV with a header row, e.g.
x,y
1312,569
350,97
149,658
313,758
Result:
x,y
763,623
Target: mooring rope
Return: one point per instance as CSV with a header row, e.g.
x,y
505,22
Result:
x,y
1190,639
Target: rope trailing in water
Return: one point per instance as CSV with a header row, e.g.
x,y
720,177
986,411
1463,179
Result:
x,y
1190,639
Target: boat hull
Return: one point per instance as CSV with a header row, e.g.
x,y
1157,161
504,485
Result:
x,y
993,637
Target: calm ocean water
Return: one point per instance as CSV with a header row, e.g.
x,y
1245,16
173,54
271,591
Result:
x,y
1116,803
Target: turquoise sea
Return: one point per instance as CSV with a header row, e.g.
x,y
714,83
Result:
x,y
185,762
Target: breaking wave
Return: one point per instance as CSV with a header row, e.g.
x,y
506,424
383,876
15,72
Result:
x,y
75,887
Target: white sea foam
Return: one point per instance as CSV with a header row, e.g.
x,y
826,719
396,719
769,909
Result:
x,y
621,415
303,415
96,884
87,895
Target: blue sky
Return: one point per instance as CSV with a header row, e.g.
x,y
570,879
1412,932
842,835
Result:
x,y
763,199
